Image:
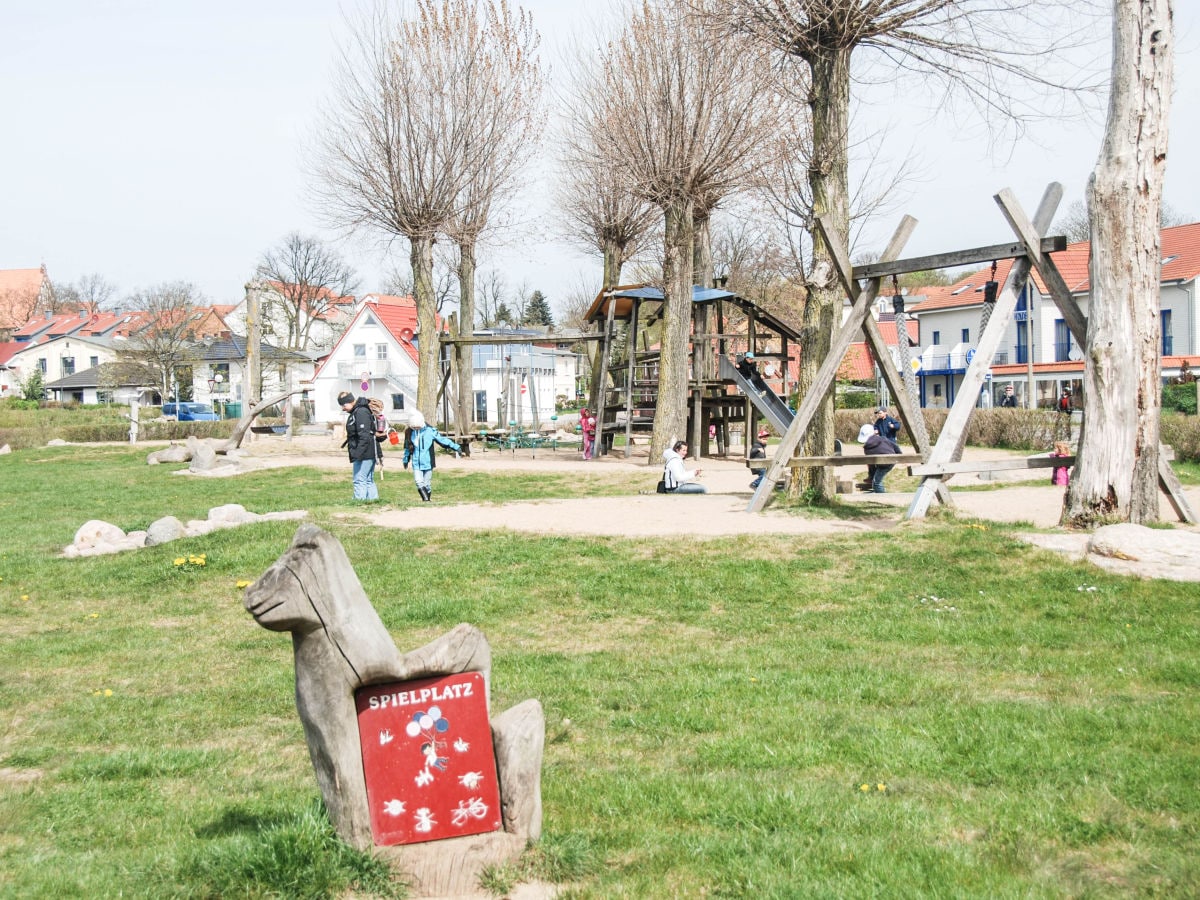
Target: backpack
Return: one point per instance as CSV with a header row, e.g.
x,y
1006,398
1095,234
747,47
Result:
x,y
378,418
661,487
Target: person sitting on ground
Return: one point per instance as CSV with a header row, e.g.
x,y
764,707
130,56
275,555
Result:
x,y
758,450
1061,475
676,478
875,444
885,425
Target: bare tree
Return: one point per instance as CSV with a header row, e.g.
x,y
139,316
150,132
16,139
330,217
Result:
x,y
399,282
500,88
162,351
1117,474
306,281
1075,226
960,45
682,120
90,293
397,143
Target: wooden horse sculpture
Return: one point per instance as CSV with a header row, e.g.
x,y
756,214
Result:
x,y
340,646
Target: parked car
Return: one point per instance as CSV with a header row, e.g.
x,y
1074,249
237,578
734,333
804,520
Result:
x,y
190,412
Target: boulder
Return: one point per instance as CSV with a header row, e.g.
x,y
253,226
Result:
x,y
204,456
5,449
231,514
163,530
95,532
1157,552
175,453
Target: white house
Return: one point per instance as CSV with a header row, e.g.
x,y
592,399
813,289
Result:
x,y
321,321
1037,355
376,356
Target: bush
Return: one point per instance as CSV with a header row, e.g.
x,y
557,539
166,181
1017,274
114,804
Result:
x,y
1012,429
1179,398
1182,434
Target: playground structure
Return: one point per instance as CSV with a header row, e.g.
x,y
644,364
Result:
x,y
628,392
943,460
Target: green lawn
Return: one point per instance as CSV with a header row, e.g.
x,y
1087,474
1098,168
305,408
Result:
x,y
931,710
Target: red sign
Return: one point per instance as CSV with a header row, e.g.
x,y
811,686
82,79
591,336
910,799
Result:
x,y
428,759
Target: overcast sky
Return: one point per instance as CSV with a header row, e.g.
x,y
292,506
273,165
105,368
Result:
x,y
152,141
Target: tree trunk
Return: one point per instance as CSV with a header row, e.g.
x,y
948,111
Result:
x,y
421,259
464,354
1116,478
829,102
670,418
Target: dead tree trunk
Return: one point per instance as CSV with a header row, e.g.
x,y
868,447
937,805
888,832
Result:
x,y
1117,475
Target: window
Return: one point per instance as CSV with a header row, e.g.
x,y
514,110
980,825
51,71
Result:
x,y
42,365
381,351
1168,342
1022,342
397,401
481,411
68,365
104,397
360,351
966,335
93,361
937,390
937,337
1062,341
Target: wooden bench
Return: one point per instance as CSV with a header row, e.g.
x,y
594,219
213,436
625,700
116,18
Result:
x,y
807,462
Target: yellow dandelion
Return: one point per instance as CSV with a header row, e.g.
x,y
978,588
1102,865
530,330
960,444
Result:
x,y
752,678
94,616
95,693
1127,625
881,787
179,560
864,788
108,692
244,583
24,596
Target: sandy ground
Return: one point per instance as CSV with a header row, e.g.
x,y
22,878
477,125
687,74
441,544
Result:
x,y
1025,498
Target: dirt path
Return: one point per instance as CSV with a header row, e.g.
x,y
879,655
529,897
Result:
x,y
720,512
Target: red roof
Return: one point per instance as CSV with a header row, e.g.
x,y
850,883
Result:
x,y
1180,254
9,349
859,364
399,316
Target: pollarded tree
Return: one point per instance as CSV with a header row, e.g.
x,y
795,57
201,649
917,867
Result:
x,y
969,46
1117,475
682,120
396,146
501,86
306,281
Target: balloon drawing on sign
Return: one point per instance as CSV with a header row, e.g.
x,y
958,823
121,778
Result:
x,y
366,385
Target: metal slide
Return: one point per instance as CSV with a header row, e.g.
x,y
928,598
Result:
x,y
766,402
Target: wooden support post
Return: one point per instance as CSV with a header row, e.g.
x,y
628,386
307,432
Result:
x,y
829,366
631,352
602,395
960,413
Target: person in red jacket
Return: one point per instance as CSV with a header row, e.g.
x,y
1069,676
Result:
x,y
587,425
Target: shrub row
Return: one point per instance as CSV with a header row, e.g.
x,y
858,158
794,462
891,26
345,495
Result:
x,y
1025,429
41,433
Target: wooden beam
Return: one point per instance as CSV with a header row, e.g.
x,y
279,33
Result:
x,y
519,339
811,462
1059,292
992,465
955,258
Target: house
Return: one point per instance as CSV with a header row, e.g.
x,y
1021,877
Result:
x,y
296,316
375,356
1038,355
218,374
59,356
10,379
518,380
22,293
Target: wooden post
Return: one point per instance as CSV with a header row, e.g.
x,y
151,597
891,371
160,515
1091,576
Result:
x,y
602,393
631,352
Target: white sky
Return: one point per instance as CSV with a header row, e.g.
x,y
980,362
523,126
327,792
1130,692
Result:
x,y
152,141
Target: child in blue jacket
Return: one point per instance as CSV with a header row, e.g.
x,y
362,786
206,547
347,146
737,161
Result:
x,y
418,449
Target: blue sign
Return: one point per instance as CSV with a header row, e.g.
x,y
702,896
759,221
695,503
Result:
x,y
970,355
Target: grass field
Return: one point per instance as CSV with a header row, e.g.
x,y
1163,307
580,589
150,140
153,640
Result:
x,y
928,711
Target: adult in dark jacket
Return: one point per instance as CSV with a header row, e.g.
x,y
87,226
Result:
x,y
360,444
418,450
877,445
885,425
